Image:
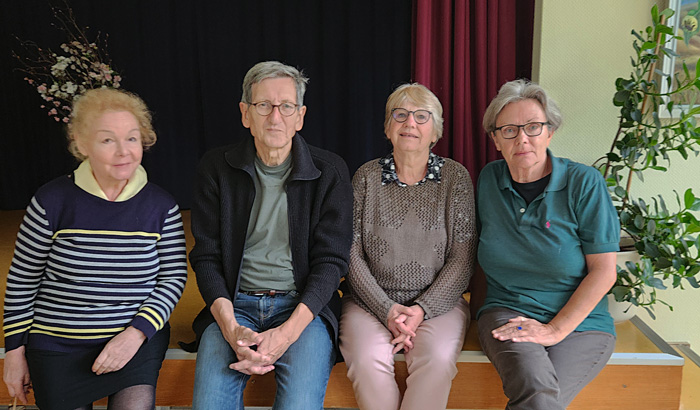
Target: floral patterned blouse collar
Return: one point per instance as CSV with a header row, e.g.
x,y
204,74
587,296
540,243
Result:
x,y
435,163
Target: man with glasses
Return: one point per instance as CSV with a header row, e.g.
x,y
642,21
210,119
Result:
x,y
272,225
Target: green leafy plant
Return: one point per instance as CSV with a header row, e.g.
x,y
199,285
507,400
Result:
x,y
664,236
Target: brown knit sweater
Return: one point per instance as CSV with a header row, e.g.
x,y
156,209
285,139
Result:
x,y
414,244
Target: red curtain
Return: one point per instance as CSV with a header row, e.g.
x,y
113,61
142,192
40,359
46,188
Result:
x,y
464,50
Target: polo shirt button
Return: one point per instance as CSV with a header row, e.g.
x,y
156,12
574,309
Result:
x,y
522,210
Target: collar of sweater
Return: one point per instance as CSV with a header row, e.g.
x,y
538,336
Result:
x,y
87,182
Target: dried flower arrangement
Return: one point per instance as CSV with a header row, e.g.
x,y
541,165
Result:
x,y
61,77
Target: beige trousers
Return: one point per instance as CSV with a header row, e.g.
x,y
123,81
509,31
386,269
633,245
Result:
x,y
366,346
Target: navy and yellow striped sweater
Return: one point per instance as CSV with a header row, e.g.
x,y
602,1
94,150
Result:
x,y
86,268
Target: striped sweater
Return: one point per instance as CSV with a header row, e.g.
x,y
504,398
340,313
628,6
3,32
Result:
x,y
86,268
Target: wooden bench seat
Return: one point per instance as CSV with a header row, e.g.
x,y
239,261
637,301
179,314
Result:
x,y
643,373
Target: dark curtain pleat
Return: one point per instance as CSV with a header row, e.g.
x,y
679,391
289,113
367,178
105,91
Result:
x,y
464,50
187,60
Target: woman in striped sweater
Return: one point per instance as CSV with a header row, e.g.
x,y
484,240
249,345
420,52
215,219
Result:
x,y
99,265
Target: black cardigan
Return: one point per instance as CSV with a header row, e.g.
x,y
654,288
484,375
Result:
x,y
319,198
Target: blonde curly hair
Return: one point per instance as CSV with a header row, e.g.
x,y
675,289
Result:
x,y
93,103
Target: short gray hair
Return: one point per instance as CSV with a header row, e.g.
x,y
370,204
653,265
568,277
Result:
x,y
273,69
518,90
419,95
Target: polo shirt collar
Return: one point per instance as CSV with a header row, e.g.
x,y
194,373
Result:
x,y
85,179
557,179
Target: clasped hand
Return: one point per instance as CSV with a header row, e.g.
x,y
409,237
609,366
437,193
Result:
x,y
270,346
403,321
522,329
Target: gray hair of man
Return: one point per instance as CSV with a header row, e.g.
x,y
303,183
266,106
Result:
x,y
273,69
518,90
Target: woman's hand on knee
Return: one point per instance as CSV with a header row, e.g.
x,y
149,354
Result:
x,y
16,374
522,329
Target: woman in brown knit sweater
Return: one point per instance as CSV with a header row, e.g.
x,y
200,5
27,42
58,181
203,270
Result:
x,y
411,259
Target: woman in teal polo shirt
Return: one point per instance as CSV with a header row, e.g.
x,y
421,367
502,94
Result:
x,y
548,237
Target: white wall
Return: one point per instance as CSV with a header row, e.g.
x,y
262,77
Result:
x,y
580,49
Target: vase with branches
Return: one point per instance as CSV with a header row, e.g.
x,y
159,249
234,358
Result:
x,y
61,76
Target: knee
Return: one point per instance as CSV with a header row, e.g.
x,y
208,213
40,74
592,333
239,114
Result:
x,y
436,365
369,359
532,384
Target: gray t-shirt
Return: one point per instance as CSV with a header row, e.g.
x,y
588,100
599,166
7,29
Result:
x,y
267,259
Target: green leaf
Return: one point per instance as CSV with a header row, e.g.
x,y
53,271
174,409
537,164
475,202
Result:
x,y
694,111
696,205
662,203
648,45
655,14
651,249
650,312
688,198
663,29
620,292
639,222
620,191
613,157
651,227
656,283
662,263
693,282
620,97
667,13
657,121
636,115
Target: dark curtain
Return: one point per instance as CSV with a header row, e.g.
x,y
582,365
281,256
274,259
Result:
x,y
464,50
187,60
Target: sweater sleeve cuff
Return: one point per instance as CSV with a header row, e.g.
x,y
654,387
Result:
x,y
428,312
15,341
142,324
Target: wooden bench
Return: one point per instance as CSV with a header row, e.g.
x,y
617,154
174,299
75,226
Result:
x,y
643,373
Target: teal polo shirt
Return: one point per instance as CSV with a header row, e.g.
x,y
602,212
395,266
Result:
x,y
534,255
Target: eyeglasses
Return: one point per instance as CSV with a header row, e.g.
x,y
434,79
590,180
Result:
x,y
265,108
532,129
420,116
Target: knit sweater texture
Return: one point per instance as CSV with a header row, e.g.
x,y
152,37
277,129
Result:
x,y
413,244
86,268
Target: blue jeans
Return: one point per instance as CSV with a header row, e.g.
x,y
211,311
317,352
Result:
x,y
301,373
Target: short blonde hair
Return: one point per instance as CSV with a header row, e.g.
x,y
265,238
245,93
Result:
x,y
419,95
93,103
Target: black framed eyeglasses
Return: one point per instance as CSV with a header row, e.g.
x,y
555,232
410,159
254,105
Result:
x,y
265,108
532,129
419,116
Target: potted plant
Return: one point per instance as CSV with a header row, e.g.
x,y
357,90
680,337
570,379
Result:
x,y
663,232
